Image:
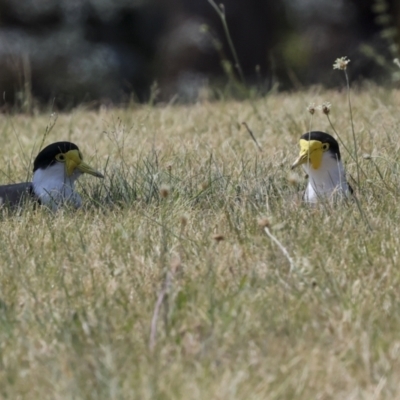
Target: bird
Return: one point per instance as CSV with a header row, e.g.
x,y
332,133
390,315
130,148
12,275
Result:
x,y
55,171
321,160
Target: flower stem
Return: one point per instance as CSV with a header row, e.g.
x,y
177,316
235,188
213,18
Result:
x,y
352,128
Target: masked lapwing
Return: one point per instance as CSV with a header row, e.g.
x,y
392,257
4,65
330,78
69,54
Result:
x,y
320,158
55,170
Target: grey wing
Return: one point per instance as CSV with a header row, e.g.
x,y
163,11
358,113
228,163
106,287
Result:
x,y
14,194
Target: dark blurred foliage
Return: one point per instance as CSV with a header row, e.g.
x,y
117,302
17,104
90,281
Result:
x,y
74,51
110,51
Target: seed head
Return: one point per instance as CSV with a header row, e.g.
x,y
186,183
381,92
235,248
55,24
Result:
x,y
164,191
397,62
204,185
218,237
293,179
326,107
341,63
263,223
311,108
184,221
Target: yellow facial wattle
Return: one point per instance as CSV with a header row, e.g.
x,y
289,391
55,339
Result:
x,y
73,160
310,152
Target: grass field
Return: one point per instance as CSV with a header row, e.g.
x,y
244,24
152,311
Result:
x,y
165,285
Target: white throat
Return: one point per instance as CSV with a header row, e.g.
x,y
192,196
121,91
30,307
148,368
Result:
x,y
53,187
328,181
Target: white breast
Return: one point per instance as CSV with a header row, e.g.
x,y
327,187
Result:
x,y
328,181
53,187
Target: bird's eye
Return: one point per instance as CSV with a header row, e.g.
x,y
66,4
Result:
x,y
325,146
60,157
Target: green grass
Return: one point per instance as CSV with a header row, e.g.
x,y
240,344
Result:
x,y
79,290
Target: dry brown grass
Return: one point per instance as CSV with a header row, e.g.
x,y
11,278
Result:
x,y
79,289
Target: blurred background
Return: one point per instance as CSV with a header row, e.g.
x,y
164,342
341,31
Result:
x,y
61,53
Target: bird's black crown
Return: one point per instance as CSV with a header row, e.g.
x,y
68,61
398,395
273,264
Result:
x,y
324,137
47,156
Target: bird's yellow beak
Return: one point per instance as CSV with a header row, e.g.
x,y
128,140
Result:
x,y
310,152
73,160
